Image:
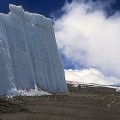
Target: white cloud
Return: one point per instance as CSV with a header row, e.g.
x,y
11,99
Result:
x,y
90,75
87,37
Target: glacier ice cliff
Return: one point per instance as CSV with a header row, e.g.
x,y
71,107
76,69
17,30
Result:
x,y
28,53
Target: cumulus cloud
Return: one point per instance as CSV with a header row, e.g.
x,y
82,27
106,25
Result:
x,y
89,37
90,75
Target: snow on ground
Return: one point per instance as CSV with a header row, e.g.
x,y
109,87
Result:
x,y
31,92
92,77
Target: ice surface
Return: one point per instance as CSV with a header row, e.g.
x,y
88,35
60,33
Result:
x,y
28,53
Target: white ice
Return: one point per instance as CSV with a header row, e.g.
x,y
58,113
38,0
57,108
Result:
x,y
28,53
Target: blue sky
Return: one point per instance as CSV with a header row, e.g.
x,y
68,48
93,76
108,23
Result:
x,y
87,32
49,7
45,7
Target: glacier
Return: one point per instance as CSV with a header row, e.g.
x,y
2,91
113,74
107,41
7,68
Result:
x,y
28,53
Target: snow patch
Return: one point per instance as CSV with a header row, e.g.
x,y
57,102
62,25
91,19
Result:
x,y
31,92
90,75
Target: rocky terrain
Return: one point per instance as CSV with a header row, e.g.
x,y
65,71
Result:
x,y
81,103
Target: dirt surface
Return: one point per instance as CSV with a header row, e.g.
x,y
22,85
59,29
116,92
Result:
x,y
86,103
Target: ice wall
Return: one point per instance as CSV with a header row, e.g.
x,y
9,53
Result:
x,y
28,53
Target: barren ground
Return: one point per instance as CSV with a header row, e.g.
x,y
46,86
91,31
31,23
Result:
x,y
79,104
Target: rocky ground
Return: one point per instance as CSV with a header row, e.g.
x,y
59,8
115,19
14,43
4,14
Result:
x,y
86,103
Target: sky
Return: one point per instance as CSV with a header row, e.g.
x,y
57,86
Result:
x,y
45,7
87,34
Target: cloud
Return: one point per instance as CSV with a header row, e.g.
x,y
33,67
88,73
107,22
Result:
x,y
88,37
90,75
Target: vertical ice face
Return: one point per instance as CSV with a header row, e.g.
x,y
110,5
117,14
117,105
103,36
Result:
x,y
28,53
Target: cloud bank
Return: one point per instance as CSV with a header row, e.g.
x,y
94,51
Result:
x,y
90,38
